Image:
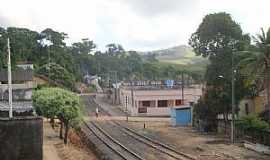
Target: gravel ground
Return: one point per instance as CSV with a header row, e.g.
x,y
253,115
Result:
x,y
204,147
138,147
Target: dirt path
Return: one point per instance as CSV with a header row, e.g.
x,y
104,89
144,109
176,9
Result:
x,y
50,139
54,148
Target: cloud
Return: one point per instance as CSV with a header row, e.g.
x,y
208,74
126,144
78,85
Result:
x,y
152,8
4,22
136,24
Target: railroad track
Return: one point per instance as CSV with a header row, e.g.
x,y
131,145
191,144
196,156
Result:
x,y
156,145
113,144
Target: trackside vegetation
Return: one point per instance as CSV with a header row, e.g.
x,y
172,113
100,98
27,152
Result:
x,y
57,103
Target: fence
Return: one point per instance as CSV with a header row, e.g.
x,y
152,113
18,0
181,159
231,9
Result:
x,y
255,136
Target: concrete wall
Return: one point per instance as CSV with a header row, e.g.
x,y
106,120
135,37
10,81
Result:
x,y
191,94
162,111
260,103
242,107
19,91
21,138
169,94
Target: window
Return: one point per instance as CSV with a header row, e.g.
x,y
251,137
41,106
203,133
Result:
x,y
246,109
162,103
178,102
142,110
146,103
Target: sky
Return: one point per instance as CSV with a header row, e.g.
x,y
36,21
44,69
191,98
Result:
x,y
136,24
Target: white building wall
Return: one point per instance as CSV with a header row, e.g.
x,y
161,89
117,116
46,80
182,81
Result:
x,y
158,111
191,94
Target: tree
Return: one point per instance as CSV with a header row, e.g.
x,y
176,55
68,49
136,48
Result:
x,y
84,47
133,63
257,64
218,38
151,57
23,43
114,49
60,103
57,75
3,41
44,103
217,34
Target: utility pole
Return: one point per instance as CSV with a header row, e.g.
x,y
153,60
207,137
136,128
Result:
x,y
116,85
233,102
127,108
47,43
49,58
182,87
9,82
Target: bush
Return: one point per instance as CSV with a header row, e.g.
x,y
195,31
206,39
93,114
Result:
x,y
253,128
253,123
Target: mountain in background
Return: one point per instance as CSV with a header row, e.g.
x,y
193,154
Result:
x,y
181,54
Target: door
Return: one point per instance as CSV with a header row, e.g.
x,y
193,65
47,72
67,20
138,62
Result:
x,y
183,116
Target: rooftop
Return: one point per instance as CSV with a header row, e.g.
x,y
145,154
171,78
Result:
x,y
156,85
25,106
17,75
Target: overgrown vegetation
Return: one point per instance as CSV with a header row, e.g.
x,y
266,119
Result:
x,y
58,103
254,127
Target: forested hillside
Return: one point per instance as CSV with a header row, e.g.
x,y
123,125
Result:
x,y
78,59
181,54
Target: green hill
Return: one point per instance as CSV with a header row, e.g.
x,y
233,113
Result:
x,y
181,54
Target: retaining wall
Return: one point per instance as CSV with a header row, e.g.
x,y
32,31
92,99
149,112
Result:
x,y
21,138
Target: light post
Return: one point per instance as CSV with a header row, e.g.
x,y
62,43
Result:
x,y
232,103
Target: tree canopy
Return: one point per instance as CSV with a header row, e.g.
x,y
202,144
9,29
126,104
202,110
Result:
x,y
78,59
219,38
57,103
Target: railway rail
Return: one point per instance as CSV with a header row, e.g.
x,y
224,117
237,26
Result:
x,y
113,144
155,144
160,147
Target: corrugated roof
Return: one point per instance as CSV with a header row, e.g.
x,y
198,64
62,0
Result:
x,y
17,75
17,106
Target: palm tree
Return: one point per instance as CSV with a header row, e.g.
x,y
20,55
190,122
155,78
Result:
x,y
256,65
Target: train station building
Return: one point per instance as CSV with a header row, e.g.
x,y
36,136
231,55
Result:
x,y
157,98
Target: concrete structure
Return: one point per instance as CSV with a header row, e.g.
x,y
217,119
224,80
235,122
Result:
x,y
89,79
246,107
22,86
156,100
25,65
256,105
21,138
